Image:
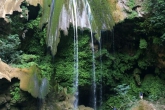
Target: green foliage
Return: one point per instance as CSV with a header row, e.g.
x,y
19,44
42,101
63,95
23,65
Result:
x,y
136,71
133,15
156,40
24,10
121,100
143,63
33,24
16,93
9,48
153,87
131,3
25,58
64,61
47,68
143,44
157,19
36,43
115,67
64,73
122,89
17,24
162,37
155,22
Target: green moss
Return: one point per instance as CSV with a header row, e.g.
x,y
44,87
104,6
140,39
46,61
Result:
x,y
55,15
101,9
133,15
45,12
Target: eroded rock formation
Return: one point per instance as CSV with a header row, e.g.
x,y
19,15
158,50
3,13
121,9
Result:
x,y
8,6
27,77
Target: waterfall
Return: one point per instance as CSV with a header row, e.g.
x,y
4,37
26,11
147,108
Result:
x,y
101,67
60,18
93,73
50,41
76,71
89,13
81,14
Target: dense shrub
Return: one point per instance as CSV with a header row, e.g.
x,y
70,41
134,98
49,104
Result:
x,y
9,48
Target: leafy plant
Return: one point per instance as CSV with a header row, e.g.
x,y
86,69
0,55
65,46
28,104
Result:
x,y
9,48
24,10
15,93
122,89
143,44
153,87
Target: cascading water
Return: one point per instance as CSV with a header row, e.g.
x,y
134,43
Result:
x,y
82,14
50,39
76,72
101,66
93,73
89,13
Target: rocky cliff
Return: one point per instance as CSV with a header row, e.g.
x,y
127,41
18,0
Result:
x,y
8,6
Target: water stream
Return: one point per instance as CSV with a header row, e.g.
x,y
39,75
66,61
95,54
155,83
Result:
x,y
89,13
101,67
79,14
76,62
50,41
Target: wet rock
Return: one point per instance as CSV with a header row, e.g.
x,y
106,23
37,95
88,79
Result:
x,y
8,98
4,108
2,100
82,107
14,108
7,106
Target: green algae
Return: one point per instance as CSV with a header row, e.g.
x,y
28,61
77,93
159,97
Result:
x,y
56,15
53,25
101,14
45,12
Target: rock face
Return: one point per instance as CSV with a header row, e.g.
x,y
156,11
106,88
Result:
x,y
8,6
88,14
82,14
122,9
28,77
144,105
